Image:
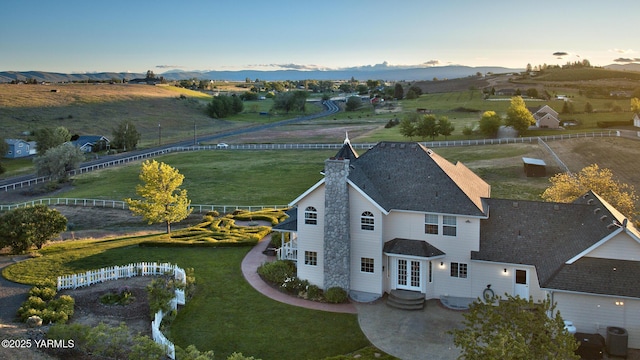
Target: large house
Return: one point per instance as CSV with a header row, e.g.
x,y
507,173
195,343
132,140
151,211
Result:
x,y
545,117
401,217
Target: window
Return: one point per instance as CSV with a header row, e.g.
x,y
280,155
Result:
x,y
366,265
458,270
449,225
311,258
431,224
310,216
366,221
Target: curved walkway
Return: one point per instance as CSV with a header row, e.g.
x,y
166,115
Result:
x,y
255,258
12,294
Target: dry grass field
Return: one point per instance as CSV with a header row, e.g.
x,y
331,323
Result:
x,y
88,109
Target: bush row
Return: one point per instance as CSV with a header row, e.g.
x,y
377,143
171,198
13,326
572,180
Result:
x,y
41,302
282,273
608,124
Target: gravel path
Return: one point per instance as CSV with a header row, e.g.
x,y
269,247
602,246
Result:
x,y
12,295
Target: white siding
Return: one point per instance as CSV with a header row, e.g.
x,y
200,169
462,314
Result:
x,y
622,247
365,243
593,314
487,273
311,237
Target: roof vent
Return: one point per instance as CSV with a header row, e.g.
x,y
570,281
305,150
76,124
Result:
x,y
596,210
515,204
414,146
402,146
429,151
611,226
603,217
585,196
590,201
556,207
382,144
393,146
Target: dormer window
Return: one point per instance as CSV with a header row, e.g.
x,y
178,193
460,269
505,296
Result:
x,y
311,216
367,221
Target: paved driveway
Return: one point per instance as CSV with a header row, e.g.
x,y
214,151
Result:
x,y
411,335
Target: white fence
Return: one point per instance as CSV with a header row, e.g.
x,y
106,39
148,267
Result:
x,y
155,153
117,204
138,269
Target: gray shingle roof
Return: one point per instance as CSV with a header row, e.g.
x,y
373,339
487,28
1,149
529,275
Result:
x,y
542,234
598,276
411,247
290,223
408,176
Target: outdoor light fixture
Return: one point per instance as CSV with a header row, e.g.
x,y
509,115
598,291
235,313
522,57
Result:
x,y
505,270
441,263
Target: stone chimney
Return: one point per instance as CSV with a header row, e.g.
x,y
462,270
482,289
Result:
x,y
337,242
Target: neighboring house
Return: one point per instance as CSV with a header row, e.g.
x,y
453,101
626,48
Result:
x,y
86,143
545,117
19,148
401,217
636,120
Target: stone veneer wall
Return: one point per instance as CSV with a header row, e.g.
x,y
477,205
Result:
x,y
336,224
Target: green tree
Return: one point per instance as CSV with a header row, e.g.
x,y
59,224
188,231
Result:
x,y
362,89
150,75
353,103
416,89
567,108
411,95
222,106
125,136
427,126
514,328
635,105
588,108
490,124
467,131
532,92
407,128
47,138
4,148
567,187
58,161
445,127
398,91
518,116
163,201
291,101
22,228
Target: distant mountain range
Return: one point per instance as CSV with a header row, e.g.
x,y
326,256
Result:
x,y
389,73
375,72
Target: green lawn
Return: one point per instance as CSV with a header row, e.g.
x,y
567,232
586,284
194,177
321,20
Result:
x,y
225,315
221,177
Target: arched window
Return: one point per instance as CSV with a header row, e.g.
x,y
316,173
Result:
x,y
367,221
311,216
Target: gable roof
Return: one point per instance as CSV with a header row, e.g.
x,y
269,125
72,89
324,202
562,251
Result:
x,y
598,276
542,234
408,176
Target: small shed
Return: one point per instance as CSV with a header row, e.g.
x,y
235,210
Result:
x,y
534,167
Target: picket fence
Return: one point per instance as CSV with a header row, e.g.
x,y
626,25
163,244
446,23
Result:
x,y
127,271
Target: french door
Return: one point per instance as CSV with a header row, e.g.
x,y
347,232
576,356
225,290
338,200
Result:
x,y
409,275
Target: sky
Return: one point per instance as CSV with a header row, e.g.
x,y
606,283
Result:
x,y
84,36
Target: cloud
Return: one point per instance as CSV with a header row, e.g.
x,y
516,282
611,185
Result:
x,y
290,66
431,63
169,66
622,51
560,53
627,60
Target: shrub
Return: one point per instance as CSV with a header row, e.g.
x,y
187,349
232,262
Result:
x,y
313,292
44,293
277,271
160,291
335,295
